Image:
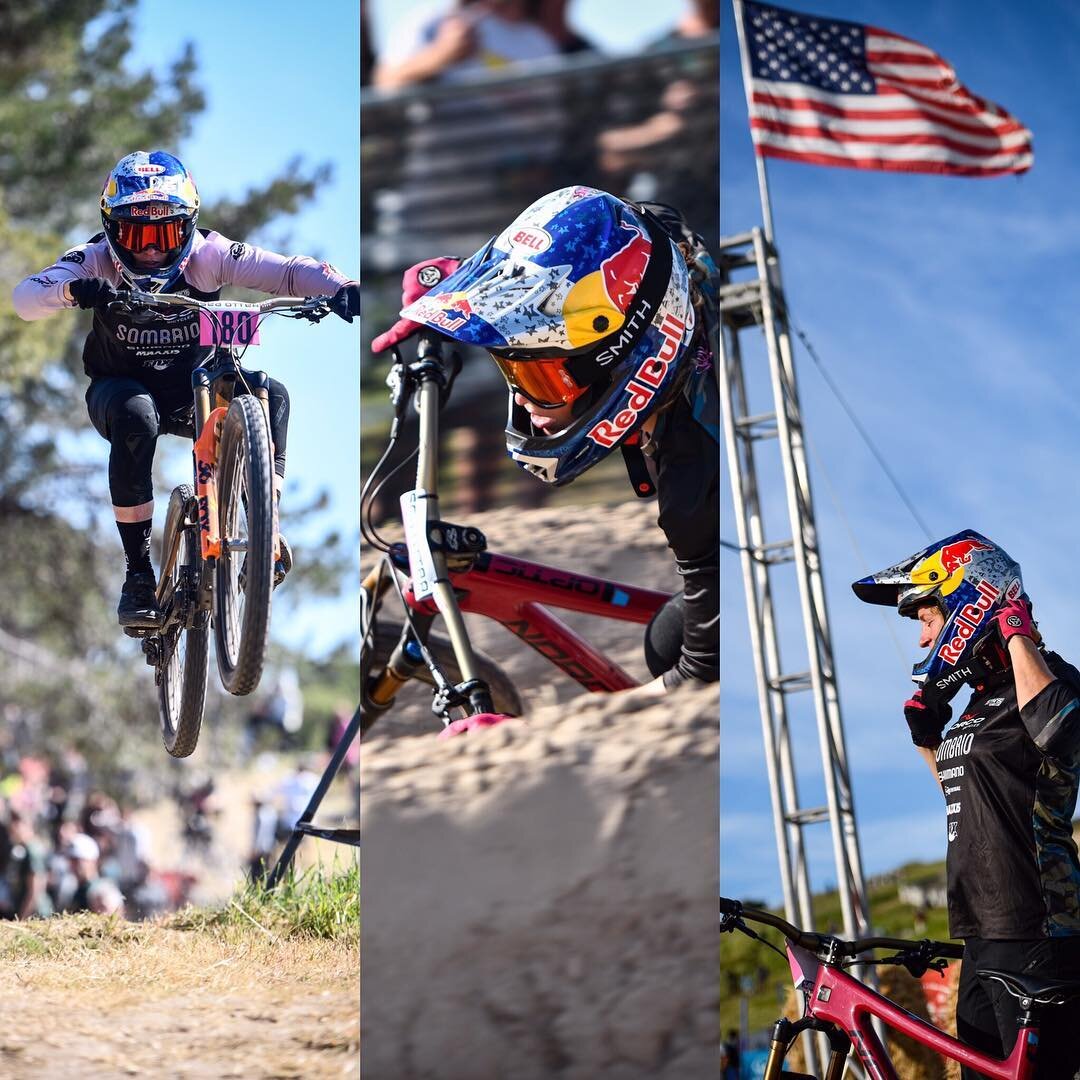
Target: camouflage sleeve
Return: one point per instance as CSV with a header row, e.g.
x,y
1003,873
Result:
x,y
1052,719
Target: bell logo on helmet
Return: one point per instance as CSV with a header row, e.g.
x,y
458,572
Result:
x,y
148,169
534,239
968,620
642,387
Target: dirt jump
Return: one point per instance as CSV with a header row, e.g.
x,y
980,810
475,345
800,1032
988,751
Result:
x,y
539,898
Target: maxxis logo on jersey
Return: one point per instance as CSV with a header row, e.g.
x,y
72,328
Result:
x,y
643,387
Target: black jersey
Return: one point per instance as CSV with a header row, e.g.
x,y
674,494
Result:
x,y
1013,869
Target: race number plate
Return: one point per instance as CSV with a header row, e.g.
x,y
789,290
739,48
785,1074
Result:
x,y
229,324
421,561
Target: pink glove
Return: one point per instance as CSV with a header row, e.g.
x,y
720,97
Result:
x,y
415,282
1015,618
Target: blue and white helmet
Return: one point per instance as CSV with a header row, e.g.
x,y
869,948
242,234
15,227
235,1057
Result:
x,y
149,207
584,288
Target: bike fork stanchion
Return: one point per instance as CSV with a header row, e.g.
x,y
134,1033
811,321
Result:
x,y
304,826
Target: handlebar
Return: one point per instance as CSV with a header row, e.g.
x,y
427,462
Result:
x,y
734,912
313,307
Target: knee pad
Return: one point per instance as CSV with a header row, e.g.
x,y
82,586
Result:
x,y
664,636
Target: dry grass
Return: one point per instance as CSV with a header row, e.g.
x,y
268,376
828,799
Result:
x,y
231,995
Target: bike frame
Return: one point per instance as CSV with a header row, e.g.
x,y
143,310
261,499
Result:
x,y
837,998
515,592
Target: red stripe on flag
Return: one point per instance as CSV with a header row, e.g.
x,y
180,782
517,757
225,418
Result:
x,y
903,139
888,165
811,105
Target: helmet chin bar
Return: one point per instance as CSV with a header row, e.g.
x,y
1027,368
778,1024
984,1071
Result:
x,y
988,660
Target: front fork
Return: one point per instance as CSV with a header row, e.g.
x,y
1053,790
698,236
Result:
x,y
784,1034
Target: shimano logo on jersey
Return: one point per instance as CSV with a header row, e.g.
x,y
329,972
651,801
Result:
x,y
967,622
628,334
954,677
643,386
175,335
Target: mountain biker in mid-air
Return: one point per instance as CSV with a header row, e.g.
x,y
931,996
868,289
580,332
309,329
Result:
x,y
1009,769
140,364
599,313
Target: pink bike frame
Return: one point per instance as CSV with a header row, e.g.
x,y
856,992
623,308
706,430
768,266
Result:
x,y
844,1001
515,592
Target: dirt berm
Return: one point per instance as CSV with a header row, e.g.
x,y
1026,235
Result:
x,y
539,898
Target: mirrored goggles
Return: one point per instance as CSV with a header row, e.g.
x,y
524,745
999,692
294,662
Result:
x,y
545,381
138,236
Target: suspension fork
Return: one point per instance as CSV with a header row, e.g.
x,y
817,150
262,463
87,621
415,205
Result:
x,y
786,1031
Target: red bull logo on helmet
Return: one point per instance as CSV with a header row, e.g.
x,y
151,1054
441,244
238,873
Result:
x,y
623,271
453,310
953,556
642,388
969,619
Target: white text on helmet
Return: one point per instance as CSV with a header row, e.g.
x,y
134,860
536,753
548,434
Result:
x,y
967,622
643,386
629,332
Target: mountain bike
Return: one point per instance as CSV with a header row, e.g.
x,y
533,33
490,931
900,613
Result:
x,y
842,1008
444,569
221,540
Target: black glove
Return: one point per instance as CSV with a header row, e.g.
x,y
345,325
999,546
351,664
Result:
x,y
92,292
346,301
927,716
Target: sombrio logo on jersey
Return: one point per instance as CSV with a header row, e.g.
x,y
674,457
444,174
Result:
x,y
643,386
968,621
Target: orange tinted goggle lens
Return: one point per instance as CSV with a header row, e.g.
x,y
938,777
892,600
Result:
x,y
543,382
136,236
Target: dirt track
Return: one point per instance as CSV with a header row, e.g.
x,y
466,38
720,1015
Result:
x,y
89,1000
540,898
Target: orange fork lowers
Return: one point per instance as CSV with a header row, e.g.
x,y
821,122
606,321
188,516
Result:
x,y
206,454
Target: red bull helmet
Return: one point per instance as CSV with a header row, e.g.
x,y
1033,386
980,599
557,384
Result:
x,y
149,207
582,301
969,578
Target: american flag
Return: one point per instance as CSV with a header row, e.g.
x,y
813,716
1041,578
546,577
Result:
x,y
838,93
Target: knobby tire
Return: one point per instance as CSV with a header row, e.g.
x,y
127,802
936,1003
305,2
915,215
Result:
x,y
245,486
504,694
182,686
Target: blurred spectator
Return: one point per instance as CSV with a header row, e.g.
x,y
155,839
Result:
x,y
25,873
294,793
103,897
131,852
336,732
553,20
367,47
82,853
281,711
454,42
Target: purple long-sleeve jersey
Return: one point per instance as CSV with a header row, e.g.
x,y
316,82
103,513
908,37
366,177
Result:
x,y
160,348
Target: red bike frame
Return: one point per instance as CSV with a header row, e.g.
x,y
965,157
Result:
x,y
515,592
840,999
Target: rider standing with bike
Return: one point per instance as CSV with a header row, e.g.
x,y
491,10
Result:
x,y
140,363
1009,769
599,313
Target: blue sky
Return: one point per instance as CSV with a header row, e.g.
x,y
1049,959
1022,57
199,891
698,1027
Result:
x,y
280,83
946,310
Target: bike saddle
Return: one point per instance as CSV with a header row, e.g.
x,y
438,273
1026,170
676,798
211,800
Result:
x,y
1040,990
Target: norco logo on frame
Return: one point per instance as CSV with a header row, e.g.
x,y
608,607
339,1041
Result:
x,y
967,622
643,386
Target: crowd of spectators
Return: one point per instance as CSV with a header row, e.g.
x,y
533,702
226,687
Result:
x,y
66,847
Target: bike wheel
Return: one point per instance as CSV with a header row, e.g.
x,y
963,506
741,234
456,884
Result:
x,y
504,694
184,649
244,574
